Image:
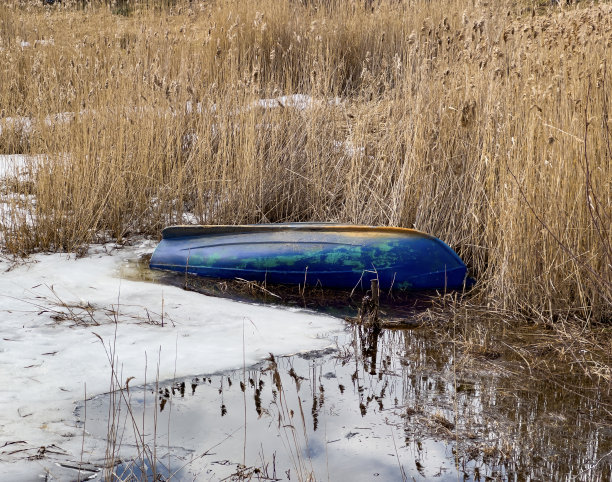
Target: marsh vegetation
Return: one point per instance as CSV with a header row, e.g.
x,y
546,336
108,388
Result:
x,y
483,123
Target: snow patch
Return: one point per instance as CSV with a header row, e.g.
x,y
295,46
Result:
x,y
57,311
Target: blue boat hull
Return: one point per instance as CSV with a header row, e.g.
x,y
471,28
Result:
x,y
329,255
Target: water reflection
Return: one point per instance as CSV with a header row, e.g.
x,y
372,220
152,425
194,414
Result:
x,y
382,405
397,306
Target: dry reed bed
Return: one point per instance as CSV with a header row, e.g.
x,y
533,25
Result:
x,y
485,125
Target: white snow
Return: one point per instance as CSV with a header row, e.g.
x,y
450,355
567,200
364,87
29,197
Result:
x,y
54,312
349,148
26,124
42,42
15,165
295,101
15,169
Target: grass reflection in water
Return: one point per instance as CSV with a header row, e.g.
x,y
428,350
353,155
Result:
x,y
386,405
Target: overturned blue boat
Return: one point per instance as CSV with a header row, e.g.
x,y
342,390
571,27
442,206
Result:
x,y
314,254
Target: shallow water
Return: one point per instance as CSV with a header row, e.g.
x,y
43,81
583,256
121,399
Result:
x,y
379,405
397,307
382,405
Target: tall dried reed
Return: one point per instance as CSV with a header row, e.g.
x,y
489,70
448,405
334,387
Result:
x,y
483,123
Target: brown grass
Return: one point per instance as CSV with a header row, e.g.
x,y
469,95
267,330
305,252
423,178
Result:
x,y
486,125
544,350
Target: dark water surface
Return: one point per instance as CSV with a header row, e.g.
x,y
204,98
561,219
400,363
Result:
x,y
386,405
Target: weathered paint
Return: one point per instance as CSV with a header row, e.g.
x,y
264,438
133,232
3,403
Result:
x,y
332,255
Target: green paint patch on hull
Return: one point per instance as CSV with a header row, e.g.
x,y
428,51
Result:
x,y
330,255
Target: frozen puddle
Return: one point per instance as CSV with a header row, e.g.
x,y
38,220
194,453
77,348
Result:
x,y
291,418
381,405
60,319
